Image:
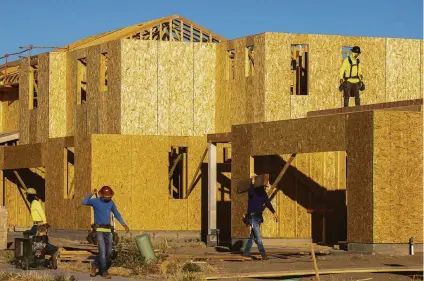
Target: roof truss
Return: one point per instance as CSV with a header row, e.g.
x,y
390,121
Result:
x,y
172,28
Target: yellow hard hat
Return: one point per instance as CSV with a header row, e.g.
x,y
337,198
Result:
x,y
31,191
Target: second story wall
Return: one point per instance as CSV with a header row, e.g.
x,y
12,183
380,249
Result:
x,y
10,111
167,88
392,71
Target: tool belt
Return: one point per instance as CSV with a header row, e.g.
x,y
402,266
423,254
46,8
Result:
x,y
95,226
248,216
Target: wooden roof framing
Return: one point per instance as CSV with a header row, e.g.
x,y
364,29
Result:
x,y
163,29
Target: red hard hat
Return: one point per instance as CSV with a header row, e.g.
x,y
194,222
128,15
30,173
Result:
x,y
106,191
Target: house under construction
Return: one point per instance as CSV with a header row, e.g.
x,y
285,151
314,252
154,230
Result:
x,y
175,118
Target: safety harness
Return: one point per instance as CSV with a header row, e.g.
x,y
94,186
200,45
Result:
x,y
351,67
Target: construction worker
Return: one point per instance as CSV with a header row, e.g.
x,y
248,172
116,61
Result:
x,y
103,206
257,198
40,224
351,77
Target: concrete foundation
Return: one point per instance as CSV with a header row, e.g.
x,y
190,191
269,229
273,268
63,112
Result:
x,y
392,249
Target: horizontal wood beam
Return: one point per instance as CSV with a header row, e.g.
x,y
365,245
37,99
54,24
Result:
x,y
220,137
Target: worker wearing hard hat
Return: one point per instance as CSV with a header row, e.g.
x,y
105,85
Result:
x,y
40,224
103,206
351,77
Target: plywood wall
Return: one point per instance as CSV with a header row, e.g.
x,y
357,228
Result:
x,y
57,95
168,88
403,69
23,101
398,193
19,215
10,111
139,179
39,130
240,100
77,217
139,88
175,91
380,59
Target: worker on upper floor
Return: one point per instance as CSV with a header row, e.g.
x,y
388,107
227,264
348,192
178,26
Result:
x,y
351,77
103,206
39,219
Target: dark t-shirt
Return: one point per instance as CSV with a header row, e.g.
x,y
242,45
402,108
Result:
x,y
257,198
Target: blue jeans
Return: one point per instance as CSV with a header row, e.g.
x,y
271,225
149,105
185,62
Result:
x,y
255,234
103,260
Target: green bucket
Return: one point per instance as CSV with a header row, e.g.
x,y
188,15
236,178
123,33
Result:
x,y
145,248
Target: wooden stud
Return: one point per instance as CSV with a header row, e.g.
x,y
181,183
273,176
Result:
x,y
191,186
171,37
20,191
182,30
191,33
274,188
174,165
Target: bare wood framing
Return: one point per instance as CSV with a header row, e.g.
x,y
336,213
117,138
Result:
x,y
20,191
175,165
191,186
274,188
315,263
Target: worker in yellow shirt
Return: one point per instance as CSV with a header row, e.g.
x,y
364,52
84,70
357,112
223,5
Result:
x,y
39,220
351,77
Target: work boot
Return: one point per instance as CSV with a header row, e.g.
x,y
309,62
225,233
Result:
x,y
264,257
93,271
107,276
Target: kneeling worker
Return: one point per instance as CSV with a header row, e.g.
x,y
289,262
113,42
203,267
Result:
x,y
40,225
103,206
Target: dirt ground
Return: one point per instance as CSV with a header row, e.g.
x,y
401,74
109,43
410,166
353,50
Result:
x,y
297,258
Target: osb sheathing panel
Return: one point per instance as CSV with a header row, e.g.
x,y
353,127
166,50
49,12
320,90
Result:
x,y
398,196
139,87
71,92
41,126
300,135
241,99
359,136
23,156
147,191
404,55
23,101
278,75
77,216
18,214
110,114
93,89
10,112
204,58
223,98
57,95
175,89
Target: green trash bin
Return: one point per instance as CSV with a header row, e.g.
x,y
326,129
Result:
x,y
145,248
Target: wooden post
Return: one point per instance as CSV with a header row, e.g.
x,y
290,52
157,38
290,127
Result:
x,y
212,239
315,262
182,31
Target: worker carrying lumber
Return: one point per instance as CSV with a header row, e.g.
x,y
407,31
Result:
x,y
257,198
102,207
40,225
351,79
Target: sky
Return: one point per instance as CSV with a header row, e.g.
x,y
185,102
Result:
x,y
60,22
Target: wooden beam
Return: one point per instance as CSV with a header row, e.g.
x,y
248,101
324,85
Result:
x,y
286,273
170,31
274,188
219,138
20,191
191,186
175,165
212,211
315,263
